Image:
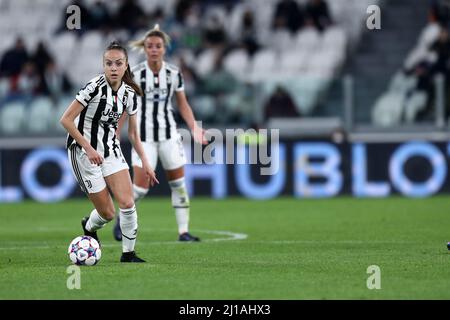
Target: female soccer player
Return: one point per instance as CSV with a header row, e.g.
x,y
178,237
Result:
x,y
159,81
94,150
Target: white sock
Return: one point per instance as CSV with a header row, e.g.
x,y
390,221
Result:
x,y
182,216
95,221
139,193
180,202
129,226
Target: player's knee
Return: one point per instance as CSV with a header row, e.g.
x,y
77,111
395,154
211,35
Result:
x,y
126,203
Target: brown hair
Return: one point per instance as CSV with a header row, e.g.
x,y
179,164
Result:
x,y
128,76
155,32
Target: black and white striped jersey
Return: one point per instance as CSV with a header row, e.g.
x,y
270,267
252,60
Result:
x,y
102,110
155,113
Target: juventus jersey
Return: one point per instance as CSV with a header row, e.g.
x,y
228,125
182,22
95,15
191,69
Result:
x,y
102,110
155,113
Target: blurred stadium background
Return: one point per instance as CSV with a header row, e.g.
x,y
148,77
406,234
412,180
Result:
x,y
361,112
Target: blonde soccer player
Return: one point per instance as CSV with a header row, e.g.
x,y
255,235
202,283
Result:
x,y
159,82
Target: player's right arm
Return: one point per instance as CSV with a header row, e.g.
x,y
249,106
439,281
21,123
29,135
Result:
x,y
67,121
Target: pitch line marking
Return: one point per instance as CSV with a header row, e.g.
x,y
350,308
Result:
x,y
230,236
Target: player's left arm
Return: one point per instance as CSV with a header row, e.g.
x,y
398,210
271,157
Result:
x,y
188,116
120,125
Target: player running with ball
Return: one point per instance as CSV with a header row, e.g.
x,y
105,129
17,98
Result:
x,y
94,150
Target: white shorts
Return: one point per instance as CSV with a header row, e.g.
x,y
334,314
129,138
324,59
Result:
x,y
170,152
90,176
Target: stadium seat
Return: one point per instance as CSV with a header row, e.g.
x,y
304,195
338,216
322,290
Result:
x,y
309,91
204,106
280,40
415,104
41,113
205,62
237,63
149,5
234,24
388,109
307,39
323,64
334,38
263,65
402,83
92,41
62,47
263,13
12,117
216,12
61,107
293,62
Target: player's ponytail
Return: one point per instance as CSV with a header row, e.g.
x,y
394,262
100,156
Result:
x,y
128,79
155,32
128,76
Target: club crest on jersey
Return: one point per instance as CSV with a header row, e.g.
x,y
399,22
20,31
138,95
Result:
x,y
125,100
90,88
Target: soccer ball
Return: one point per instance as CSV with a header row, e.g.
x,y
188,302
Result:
x,y
84,250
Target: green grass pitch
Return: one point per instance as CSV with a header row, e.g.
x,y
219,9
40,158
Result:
x,y
279,249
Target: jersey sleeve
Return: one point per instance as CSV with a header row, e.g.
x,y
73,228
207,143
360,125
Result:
x,y
179,82
86,94
133,102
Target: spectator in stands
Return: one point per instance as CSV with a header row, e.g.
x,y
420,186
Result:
x,y
24,85
280,105
183,10
131,16
14,59
248,33
158,17
55,82
190,77
219,81
100,17
186,30
220,84
41,58
423,71
228,4
288,15
214,33
439,12
441,47
318,14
